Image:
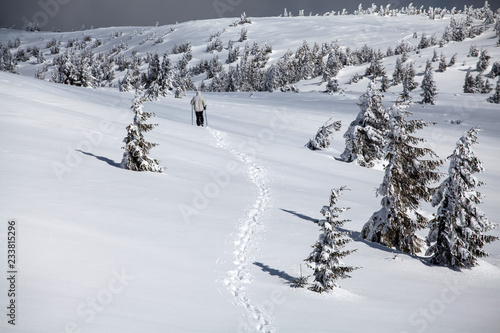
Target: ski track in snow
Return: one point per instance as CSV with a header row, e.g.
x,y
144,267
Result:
x,y
236,280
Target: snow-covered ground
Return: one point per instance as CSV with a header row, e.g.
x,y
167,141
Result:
x,y
213,243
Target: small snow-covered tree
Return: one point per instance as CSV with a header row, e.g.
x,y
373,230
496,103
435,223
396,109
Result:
x,y
453,60
435,56
483,87
325,260
376,69
332,85
473,51
496,96
365,137
322,138
428,86
457,233
484,61
409,77
137,149
398,74
497,28
442,63
470,83
126,84
406,94
495,70
385,84
406,182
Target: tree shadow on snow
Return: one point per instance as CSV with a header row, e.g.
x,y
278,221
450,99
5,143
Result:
x,y
304,217
102,158
356,237
274,272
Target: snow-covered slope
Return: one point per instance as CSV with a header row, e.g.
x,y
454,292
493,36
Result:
x,y
213,243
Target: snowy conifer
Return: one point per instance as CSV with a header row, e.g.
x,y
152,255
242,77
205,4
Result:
x,y
406,94
457,231
453,60
442,63
376,69
470,83
473,51
482,86
435,56
484,61
409,76
495,70
322,138
406,183
332,85
385,84
398,75
428,86
136,153
364,138
497,28
496,96
333,65
126,83
325,260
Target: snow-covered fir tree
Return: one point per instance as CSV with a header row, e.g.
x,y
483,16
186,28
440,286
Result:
x,y
406,182
442,64
137,149
325,132
435,56
365,137
496,96
470,83
428,86
483,87
332,85
484,61
333,65
457,233
409,77
497,28
453,60
398,74
473,51
325,260
495,70
384,83
405,95
375,69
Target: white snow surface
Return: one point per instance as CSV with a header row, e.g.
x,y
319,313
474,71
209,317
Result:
x,y
213,243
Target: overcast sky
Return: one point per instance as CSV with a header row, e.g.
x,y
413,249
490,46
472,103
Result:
x,y
69,15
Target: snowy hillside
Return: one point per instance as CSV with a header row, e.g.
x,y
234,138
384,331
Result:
x,y
214,242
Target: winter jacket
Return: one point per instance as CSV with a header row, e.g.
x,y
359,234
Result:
x,y
198,102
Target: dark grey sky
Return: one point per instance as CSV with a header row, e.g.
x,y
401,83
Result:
x,y
72,14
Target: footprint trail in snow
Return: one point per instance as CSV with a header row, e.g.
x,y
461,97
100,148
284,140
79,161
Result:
x,y
236,280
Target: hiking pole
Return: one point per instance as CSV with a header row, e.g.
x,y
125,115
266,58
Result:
x,y
192,111
206,118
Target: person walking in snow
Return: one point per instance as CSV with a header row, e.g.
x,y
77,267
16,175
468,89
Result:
x,y
199,105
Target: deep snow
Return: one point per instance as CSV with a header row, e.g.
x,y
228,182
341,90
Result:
x,y
212,244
